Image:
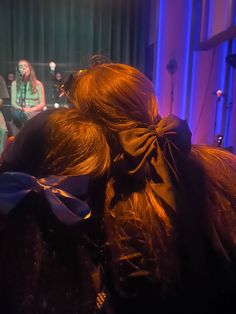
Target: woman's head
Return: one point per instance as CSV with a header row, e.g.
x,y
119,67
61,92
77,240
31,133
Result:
x,y
58,76
25,72
116,95
25,68
58,142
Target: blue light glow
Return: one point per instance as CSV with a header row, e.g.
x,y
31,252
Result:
x,y
158,50
188,15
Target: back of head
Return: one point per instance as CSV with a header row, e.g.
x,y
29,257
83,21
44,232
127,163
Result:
x,y
58,142
35,243
117,95
138,220
157,217
77,146
98,59
28,150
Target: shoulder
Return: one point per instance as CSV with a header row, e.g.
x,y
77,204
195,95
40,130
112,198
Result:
x,y
13,86
39,84
2,81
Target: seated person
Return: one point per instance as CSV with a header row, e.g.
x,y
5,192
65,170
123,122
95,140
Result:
x,y
9,80
57,83
27,94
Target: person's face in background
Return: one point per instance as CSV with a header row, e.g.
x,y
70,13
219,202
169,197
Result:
x,y
58,76
10,77
24,68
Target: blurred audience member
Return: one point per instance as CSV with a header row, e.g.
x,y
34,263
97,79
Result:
x,y
7,109
98,59
9,80
4,95
57,93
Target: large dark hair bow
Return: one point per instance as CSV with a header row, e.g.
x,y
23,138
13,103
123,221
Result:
x,y
161,145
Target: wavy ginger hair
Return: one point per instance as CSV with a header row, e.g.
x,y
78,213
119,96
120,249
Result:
x,y
120,97
117,95
142,231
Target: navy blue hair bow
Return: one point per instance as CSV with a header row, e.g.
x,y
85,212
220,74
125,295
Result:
x,y
67,208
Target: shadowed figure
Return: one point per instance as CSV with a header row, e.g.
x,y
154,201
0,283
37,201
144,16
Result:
x,y
51,209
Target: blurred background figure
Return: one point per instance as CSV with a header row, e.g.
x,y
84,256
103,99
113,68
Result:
x,y
9,80
6,108
52,66
55,96
27,94
57,93
3,128
98,59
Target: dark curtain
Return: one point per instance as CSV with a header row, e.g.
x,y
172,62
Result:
x,y
69,32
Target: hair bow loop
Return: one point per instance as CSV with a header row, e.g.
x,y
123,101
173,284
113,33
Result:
x,y
159,145
15,186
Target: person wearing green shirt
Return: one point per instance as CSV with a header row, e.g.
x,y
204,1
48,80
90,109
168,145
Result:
x,y
27,94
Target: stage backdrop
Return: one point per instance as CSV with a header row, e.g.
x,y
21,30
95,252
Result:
x,y
69,32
